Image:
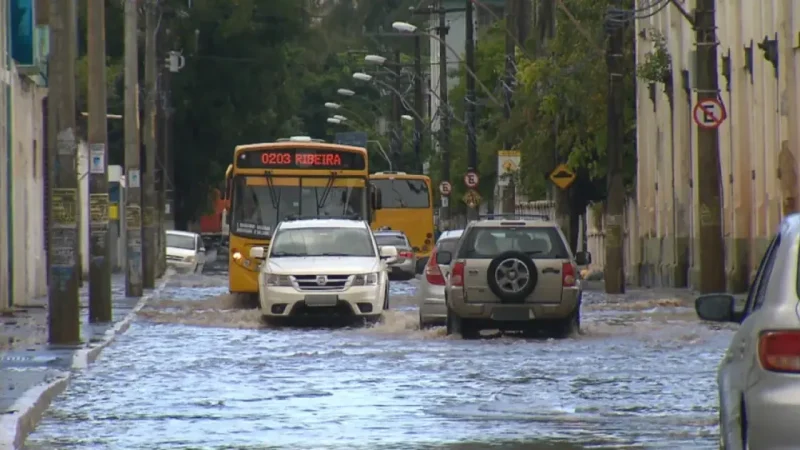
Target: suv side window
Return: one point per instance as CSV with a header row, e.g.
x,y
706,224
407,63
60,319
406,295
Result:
x,y
537,242
758,291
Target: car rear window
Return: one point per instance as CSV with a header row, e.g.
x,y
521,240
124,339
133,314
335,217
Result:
x,y
538,243
391,239
446,245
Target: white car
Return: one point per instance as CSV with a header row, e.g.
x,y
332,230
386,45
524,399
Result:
x,y
324,268
185,251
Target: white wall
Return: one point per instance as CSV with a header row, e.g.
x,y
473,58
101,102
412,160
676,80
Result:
x,y
30,270
83,195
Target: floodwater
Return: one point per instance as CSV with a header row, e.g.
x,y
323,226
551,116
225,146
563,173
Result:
x,y
198,372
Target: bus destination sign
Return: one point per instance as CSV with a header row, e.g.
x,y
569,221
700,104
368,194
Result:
x,y
300,159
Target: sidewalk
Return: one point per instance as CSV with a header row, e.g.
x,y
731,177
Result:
x,y
32,372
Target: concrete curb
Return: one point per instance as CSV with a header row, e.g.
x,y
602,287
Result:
x,y
32,405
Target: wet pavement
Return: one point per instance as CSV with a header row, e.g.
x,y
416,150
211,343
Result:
x,y
196,371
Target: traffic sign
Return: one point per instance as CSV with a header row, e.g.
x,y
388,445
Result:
x,y
472,198
471,179
709,113
562,176
445,188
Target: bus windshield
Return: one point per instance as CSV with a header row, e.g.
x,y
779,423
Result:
x,y
399,193
260,203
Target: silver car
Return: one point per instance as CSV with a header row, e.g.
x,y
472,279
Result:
x,y
405,266
430,293
759,376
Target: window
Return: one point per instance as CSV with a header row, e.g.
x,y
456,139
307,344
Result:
x,y
396,240
758,291
403,193
538,243
257,208
180,241
322,242
447,245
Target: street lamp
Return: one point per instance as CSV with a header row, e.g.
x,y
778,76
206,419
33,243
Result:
x,y
375,59
346,92
331,105
404,27
362,76
340,118
335,121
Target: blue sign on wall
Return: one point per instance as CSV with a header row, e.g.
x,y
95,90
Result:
x,y
354,138
22,25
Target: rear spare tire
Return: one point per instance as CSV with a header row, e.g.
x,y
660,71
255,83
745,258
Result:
x,y
512,276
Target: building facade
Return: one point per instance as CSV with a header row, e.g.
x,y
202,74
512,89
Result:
x,y
758,66
24,49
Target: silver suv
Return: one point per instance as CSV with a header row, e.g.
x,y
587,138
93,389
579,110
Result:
x,y
513,274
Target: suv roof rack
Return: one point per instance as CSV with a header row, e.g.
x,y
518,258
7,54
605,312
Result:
x,y
293,217
513,216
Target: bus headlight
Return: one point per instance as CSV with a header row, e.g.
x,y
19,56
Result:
x,y
279,280
237,256
189,258
367,279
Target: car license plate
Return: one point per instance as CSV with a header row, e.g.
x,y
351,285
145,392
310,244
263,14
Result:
x,y
321,300
512,314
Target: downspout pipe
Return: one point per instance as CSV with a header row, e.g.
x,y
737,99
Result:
x,y
9,165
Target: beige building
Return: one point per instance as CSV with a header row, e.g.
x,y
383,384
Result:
x,y
758,77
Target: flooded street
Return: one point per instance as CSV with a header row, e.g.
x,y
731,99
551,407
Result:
x,y
196,372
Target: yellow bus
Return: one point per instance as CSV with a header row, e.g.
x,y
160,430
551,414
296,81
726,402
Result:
x,y
407,206
297,176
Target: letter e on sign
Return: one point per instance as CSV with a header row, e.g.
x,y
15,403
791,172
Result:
x,y
709,113
471,180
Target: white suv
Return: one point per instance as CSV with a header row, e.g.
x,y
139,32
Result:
x,y
324,268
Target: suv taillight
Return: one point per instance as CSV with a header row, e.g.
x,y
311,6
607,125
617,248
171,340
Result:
x,y
407,255
779,351
432,272
457,277
568,275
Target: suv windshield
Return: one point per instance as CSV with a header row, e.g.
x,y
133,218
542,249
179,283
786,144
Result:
x,y
538,242
180,241
391,239
258,206
322,242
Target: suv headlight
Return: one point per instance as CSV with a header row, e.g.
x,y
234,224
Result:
x,y
367,279
279,280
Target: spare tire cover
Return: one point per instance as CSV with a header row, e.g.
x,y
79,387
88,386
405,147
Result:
x,y
512,276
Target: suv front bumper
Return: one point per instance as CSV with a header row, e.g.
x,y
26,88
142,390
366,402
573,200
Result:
x,y
287,301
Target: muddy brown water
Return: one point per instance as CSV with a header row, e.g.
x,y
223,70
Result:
x,y
198,371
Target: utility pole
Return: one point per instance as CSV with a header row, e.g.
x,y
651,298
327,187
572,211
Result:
x,y
418,102
615,203
712,252
509,202
133,181
397,108
100,255
63,319
148,175
444,106
472,141
161,149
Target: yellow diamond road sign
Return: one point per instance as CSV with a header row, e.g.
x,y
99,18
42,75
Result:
x,y
471,198
562,176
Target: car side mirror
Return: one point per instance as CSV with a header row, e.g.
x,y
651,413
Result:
x,y
388,254
717,308
444,258
583,258
257,252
